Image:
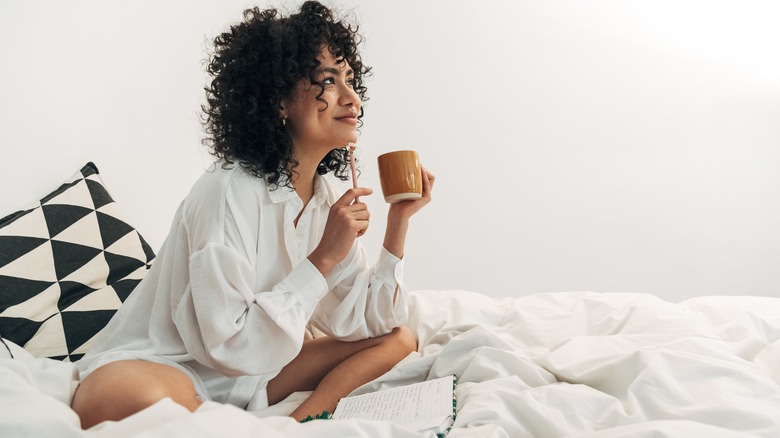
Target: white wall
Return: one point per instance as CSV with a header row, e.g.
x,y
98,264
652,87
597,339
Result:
x,y
594,145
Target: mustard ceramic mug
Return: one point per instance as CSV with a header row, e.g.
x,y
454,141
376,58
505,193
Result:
x,y
400,176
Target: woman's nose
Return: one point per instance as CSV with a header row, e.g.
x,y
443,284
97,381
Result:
x,y
349,97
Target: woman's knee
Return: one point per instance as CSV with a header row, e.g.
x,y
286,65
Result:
x,y
403,340
120,389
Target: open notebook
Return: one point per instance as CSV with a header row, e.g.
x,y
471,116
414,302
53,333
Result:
x,y
427,406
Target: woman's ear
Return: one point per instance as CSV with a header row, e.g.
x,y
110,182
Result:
x,y
283,105
282,113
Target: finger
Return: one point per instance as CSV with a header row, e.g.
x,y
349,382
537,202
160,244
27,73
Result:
x,y
362,215
350,195
363,228
357,206
428,175
427,180
358,220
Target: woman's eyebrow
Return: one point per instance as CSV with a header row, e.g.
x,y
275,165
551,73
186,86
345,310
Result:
x,y
334,71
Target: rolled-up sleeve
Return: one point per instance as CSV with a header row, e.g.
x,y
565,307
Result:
x,y
364,301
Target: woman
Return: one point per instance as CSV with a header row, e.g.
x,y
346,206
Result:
x,y
262,245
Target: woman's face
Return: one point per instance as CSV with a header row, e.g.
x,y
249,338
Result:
x,y
311,123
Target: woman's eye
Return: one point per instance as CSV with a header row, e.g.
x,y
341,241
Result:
x,y
332,81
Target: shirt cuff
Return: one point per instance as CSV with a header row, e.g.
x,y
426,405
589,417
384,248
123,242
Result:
x,y
306,282
389,268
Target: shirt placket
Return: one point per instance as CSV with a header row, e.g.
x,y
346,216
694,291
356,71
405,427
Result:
x,y
291,241
302,233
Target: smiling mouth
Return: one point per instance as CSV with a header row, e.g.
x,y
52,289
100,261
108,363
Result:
x,y
352,119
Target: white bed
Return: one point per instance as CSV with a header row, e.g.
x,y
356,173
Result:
x,y
552,364
555,364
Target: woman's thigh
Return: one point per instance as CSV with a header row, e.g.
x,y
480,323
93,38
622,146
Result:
x,y
119,389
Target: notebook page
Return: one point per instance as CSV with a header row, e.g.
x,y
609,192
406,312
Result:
x,y
426,404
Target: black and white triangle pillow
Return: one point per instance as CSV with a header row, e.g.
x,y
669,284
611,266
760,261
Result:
x,y
66,265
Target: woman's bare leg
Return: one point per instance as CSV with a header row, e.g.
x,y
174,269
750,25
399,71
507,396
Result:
x,y
120,389
333,369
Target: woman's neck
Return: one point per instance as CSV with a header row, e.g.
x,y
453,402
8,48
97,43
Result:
x,y
303,177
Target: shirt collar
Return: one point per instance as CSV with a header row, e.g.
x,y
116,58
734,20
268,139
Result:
x,y
279,193
321,191
282,193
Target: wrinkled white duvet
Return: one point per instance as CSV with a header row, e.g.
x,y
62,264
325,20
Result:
x,y
562,364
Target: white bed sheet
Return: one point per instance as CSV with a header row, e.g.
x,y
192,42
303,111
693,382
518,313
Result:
x,y
563,364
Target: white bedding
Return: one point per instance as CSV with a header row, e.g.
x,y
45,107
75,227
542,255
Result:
x,y
564,364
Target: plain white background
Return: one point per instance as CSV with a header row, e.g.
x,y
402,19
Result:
x,y
593,145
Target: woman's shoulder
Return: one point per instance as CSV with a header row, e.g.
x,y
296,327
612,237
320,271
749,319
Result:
x,y
218,198
221,185
220,180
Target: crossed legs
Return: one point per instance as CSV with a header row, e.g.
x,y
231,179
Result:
x,y
330,368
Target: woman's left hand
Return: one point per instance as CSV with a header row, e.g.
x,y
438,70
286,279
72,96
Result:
x,y
407,209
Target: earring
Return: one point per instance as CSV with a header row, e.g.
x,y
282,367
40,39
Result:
x,y
284,121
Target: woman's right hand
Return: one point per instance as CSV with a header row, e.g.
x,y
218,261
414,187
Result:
x,y
347,221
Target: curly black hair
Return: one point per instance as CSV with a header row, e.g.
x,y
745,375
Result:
x,y
255,65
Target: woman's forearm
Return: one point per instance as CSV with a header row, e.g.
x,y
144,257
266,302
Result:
x,y
395,234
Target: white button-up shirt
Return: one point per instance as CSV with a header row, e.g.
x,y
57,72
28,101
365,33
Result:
x,y
231,291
